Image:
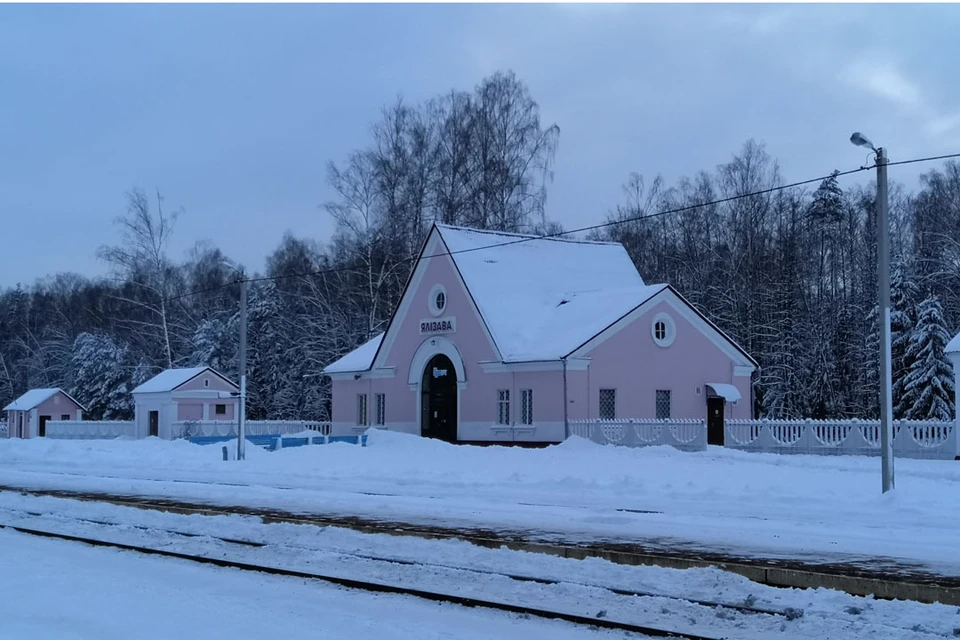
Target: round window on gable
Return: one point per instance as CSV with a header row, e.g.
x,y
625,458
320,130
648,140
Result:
x,y
663,330
438,300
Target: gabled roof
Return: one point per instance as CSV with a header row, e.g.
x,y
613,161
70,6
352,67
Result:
x,y
359,359
35,397
540,298
954,345
172,378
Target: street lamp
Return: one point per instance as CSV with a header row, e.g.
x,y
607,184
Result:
x,y
883,265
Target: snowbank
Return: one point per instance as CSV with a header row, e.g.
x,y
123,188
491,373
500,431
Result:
x,y
801,506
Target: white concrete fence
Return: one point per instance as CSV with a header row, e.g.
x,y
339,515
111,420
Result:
x,y
912,438
214,428
109,429
90,429
687,435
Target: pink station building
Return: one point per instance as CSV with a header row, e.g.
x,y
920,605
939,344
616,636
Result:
x,y
508,338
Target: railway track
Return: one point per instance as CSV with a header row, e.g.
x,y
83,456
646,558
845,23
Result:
x,y
881,580
598,621
293,552
786,613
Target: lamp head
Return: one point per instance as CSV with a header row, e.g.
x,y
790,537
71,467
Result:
x,y
861,140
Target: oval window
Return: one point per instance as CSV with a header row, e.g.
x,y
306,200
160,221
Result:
x,y
663,330
437,300
660,330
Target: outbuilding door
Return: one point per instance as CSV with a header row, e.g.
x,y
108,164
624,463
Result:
x,y
438,399
154,423
715,420
43,425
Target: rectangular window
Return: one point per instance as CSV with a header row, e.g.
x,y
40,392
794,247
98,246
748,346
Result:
x,y
361,409
608,404
526,406
663,404
381,409
65,416
503,406
220,409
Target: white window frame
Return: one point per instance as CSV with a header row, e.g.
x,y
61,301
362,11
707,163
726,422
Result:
x,y
670,329
435,292
600,404
362,413
526,406
381,418
503,406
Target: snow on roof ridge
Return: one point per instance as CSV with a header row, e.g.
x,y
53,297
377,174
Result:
x,y
35,397
359,359
170,379
530,236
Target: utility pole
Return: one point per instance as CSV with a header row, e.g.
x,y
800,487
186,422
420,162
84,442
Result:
x,y
883,267
886,364
242,408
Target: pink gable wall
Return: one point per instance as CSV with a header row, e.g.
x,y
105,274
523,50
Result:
x,y
631,362
57,405
216,383
478,400
192,408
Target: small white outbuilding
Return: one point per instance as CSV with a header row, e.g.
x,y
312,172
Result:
x,y
180,395
28,415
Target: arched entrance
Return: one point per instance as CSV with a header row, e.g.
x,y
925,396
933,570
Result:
x,y
438,399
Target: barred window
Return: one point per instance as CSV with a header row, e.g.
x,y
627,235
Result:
x,y
503,406
526,406
381,409
608,404
663,404
361,409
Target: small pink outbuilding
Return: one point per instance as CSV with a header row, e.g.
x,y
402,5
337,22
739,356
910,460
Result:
x,y
177,395
507,338
28,415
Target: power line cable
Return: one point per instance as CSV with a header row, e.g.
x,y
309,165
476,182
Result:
x,y
560,234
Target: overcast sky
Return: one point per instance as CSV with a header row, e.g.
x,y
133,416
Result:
x,y
234,111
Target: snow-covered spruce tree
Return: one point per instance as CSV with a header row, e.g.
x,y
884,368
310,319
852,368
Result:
x,y
928,386
868,380
102,379
903,318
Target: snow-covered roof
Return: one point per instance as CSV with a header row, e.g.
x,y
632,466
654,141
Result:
x,y
954,345
541,298
360,359
171,379
34,398
726,391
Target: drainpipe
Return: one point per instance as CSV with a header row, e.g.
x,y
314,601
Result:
x,y
566,421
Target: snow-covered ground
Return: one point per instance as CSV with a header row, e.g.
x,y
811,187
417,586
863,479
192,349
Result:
x,y
98,591
807,507
66,591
